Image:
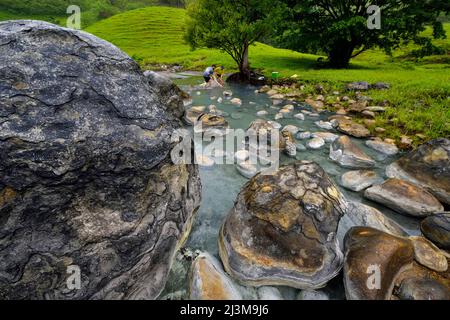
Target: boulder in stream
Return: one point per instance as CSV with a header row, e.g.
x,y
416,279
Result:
x,y
373,260
427,166
348,155
282,229
404,197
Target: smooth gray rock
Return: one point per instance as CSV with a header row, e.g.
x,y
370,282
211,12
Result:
x,y
348,155
87,178
383,147
365,216
359,180
404,197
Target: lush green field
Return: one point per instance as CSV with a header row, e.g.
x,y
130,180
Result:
x,y
420,89
419,96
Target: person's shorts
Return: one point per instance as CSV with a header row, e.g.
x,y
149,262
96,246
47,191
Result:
x,y
207,79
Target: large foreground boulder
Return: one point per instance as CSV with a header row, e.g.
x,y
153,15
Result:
x,y
428,166
282,229
87,186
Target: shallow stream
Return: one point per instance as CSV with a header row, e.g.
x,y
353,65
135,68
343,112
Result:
x,y
222,183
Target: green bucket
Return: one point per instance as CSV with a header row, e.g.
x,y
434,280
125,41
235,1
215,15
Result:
x,y
275,75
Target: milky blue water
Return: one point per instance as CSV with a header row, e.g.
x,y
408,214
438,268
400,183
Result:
x,y
222,183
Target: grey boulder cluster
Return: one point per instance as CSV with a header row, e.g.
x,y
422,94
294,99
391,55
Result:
x,y
87,182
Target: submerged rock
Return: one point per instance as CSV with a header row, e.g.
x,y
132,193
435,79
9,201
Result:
x,y
87,179
315,143
208,281
437,229
348,155
360,179
404,197
365,216
428,167
282,229
326,136
247,169
211,125
314,295
324,125
373,260
269,294
303,135
236,101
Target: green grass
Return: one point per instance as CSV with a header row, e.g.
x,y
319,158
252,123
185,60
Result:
x,y
419,97
6,15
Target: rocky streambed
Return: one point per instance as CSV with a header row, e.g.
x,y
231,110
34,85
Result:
x,y
301,233
93,206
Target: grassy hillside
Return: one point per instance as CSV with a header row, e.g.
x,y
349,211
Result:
x,y
55,10
420,89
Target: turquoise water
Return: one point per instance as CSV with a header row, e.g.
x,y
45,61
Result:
x,y
222,183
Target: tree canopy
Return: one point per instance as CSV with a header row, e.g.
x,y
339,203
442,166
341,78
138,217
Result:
x,y
338,28
230,25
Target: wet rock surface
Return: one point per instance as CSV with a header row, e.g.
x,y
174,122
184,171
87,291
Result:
x,y
348,155
359,180
208,281
282,229
421,283
373,260
428,255
87,179
366,216
437,229
405,198
427,166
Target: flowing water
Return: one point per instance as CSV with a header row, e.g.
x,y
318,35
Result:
x,y
222,183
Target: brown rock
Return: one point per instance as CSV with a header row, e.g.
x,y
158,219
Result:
x,y
404,197
208,281
427,166
428,255
372,255
353,129
282,229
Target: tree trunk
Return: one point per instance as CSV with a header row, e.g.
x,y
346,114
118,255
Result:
x,y
244,66
340,55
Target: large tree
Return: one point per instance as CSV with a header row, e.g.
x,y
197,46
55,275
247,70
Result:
x,y
231,26
338,28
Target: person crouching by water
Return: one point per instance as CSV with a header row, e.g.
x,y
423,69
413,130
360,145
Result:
x,y
219,73
209,72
